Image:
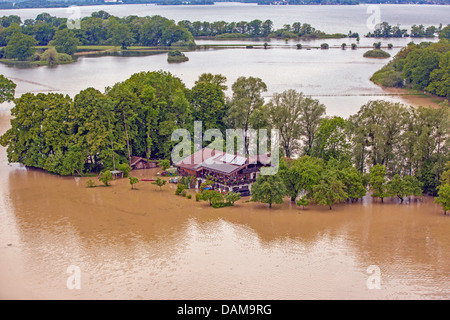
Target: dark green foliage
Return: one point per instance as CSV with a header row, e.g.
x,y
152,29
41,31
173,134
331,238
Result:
x,y
180,188
133,182
20,47
7,89
443,197
423,67
65,42
125,168
268,189
161,182
106,177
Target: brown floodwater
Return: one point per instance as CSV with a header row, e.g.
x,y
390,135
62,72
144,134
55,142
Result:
x,y
151,244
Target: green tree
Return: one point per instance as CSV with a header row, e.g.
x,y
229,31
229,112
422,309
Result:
x,y
332,139
353,182
164,164
214,198
377,182
90,183
286,110
443,197
303,202
133,182
268,189
106,177
312,113
329,192
65,42
7,89
246,100
91,126
396,187
300,175
160,183
217,79
445,33
232,197
125,168
44,33
20,47
208,105
440,77
121,35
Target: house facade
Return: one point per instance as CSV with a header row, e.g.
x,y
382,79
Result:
x,y
228,171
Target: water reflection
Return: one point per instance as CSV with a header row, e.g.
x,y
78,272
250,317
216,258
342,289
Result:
x,y
152,244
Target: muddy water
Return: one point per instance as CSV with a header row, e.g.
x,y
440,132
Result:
x,y
151,244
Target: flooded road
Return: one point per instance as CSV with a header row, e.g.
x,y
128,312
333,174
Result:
x,y
151,244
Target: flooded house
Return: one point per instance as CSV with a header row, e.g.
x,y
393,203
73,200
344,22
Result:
x,y
229,172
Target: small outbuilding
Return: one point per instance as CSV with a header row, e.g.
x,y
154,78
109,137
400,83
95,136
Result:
x,y
138,163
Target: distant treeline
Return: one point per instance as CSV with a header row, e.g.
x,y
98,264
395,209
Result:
x,y
342,2
17,4
385,30
253,29
99,29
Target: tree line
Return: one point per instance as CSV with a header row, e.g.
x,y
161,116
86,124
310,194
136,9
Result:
x,y
424,66
252,29
20,38
385,30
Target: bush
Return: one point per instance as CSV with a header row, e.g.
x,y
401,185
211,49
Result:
x,y
377,45
354,46
376,53
299,46
324,46
125,168
183,193
90,183
51,57
189,196
198,197
180,188
106,177
176,56
64,57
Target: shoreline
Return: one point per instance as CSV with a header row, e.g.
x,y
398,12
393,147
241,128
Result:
x,y
415,98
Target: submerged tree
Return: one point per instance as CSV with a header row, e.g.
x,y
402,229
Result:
x,y
268,189
329,191
377,182
160,183
106,177
133,182
443,197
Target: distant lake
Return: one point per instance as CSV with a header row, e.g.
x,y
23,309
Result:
x,y
325,18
